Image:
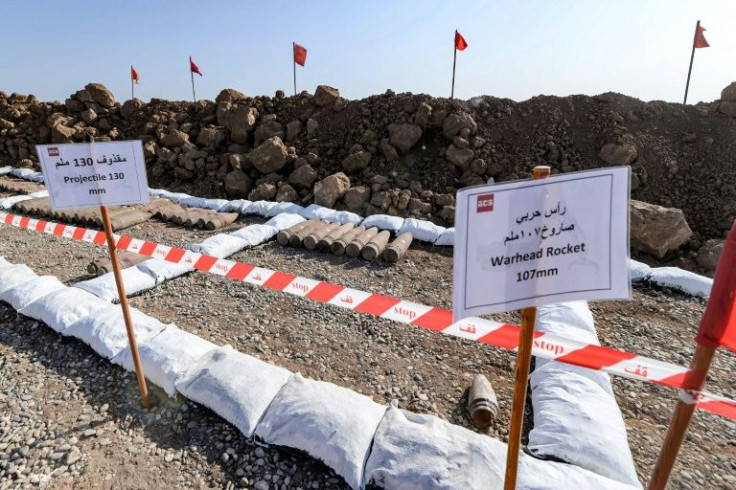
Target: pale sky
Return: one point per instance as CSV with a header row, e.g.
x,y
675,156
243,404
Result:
x,y
517,49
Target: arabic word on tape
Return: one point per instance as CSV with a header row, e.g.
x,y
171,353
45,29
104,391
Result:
x,y
537,242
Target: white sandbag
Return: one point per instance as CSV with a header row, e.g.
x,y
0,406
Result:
x,y
220,245
237,387
22,172
384,222
36,177
284,221
685,281
236,206
105,331
178,197
333,424
255,234
315,211
192,201
639,271
214,204
261,208
425,231
104,286
4,263
421,452
578,422
39,194
156,192
446,239
285,207
27,292
60,309
164,357
162,270
9,202
6,170
15,275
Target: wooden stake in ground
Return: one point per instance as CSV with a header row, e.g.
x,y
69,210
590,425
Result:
x,y
124,305
523,364
717,328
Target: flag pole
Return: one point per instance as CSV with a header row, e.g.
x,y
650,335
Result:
x,y
191,73
132,86
454,62
523,364
692,56
694,380
293,60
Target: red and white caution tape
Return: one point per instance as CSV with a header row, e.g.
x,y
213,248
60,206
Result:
x,y
436,319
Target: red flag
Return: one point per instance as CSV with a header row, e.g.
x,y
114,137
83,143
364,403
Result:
x,y
460,43
718,325
133,74
700,41
193,67
300,54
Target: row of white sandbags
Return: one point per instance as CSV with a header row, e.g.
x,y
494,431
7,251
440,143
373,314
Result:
x,y
361,440
576,417
672,277
153,272
9,202
422,230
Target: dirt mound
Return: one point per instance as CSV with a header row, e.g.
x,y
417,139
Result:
x,y
403,154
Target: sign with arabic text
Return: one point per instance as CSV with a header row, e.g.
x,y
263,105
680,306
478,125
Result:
x,y
537,242
94,174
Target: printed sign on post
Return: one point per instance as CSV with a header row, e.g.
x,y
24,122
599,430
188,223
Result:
x,y
542,241
94,174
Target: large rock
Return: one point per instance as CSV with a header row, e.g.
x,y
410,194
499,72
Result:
x,y
454,123
404,136
265,191
657,230
330,189
62,134
229,95
210,137
131,107
286,193
618,154
292,130
356,161
238,184
175,139
356,198
268,128
5,124
270,156
709,254
325,95
303,176
728,108
424,112
100,95
459,156
239,119
729,93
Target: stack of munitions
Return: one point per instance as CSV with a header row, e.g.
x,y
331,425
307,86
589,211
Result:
x,y
168,211
102,266
120,217
347,239
19,186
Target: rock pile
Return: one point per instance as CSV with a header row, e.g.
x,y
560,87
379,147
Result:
x,y
399,154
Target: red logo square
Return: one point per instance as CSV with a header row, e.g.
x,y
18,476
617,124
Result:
x,y
484,203
53,151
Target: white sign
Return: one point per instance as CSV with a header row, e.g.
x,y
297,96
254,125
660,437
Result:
x,y
543,241
94,174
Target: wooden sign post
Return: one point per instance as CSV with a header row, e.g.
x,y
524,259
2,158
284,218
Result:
x,y
125,306
100,174
523,364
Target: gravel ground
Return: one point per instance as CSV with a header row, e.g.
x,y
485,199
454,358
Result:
x,y
425,371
